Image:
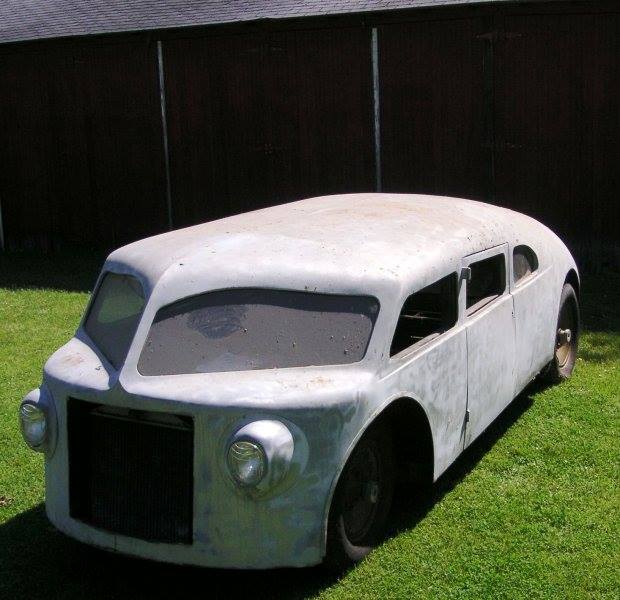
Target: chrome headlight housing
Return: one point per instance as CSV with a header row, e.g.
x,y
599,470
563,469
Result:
x,y
37,420
259,454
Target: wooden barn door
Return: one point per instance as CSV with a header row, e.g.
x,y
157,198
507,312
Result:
x,y
256,120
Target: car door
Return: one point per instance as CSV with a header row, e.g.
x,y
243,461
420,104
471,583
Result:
x,y
428,362
490,331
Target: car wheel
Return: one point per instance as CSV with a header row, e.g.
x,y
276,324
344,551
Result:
x,y
566,339
362,500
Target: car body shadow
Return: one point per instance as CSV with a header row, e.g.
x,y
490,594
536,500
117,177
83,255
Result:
x,y
36,561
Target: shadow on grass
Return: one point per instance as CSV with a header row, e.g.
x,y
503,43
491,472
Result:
x,y
600,315
412,504
601,347
65,568
71,272
36,561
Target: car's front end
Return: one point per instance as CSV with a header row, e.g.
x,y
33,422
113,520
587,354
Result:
x,y
223,456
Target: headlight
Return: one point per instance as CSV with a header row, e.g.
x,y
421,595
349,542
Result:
x,y
259,454
247,462
37,419
33,423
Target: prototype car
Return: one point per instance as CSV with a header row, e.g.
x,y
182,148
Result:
x,y
247,392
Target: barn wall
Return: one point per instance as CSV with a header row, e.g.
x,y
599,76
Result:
x,y
261,119
25,148
512,104
434,137
516,109
557,125
81,159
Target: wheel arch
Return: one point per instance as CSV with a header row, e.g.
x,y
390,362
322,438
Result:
x,y
406,418
573,278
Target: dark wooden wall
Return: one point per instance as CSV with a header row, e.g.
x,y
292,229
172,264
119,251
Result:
x,y
81,157
261,119
517,109
513,104
557,125
433,110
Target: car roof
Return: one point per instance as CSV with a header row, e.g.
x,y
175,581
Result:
x,y
348,237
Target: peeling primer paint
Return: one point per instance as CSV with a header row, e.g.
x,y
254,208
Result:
x,y
381,244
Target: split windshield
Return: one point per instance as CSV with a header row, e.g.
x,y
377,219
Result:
x,y
114,315
247,329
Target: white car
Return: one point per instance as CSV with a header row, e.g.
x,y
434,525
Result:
x,y
245,393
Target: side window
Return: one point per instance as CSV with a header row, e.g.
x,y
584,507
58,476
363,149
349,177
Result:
x,y
487,282
426,314
524,262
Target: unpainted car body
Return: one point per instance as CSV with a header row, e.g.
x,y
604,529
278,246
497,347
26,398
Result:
x,y
382,246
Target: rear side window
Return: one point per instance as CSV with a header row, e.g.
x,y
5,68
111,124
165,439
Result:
x,y
426,314
487,282
524,262
114,315
247,329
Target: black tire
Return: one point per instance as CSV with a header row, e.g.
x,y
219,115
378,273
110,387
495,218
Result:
x,y
362,501
567,338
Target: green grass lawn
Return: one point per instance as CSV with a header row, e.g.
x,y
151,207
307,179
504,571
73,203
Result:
x,y
531,510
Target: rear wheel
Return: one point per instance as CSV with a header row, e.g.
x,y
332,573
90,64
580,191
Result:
x,y
566,338
362,500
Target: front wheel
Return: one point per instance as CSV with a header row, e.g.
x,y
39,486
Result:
x,y
566,338
362,500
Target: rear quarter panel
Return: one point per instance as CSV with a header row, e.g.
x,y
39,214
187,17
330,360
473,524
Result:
x,y
536,298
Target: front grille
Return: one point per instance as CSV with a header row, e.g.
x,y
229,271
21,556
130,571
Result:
x,y
131,472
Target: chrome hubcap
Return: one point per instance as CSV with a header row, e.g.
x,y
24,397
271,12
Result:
x,y
563,346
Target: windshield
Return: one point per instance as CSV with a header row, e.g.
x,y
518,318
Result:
x,y
246,329
114,315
